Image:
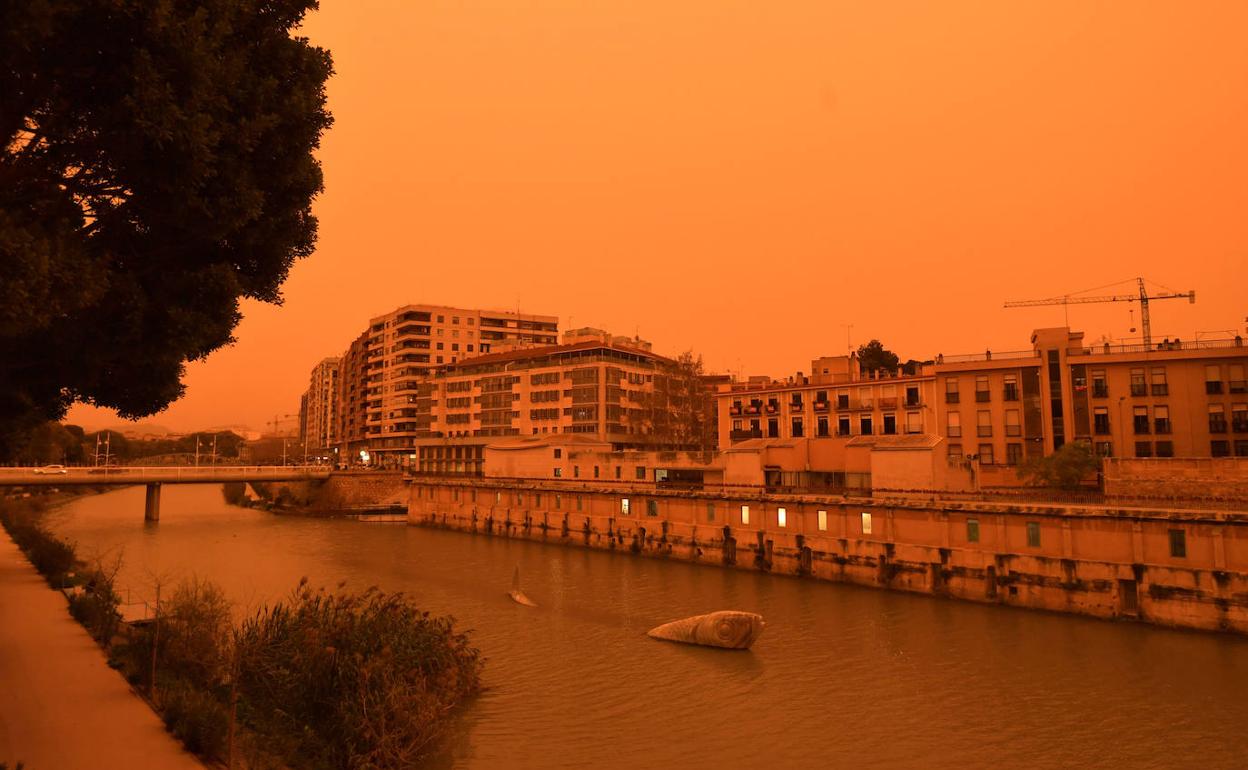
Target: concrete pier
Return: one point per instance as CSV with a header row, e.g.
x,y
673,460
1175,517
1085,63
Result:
x,y
151,509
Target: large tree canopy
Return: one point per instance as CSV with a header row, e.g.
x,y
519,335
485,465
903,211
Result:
x,y
155,166
874,356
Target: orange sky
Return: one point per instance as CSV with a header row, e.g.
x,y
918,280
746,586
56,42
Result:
x,y
743,178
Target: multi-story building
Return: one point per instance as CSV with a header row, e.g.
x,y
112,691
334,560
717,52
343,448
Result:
x,y
350,424
320,403
612,389
995,410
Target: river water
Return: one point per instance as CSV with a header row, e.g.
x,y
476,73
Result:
x,y
843,676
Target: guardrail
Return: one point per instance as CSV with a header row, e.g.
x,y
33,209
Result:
x,y
46,475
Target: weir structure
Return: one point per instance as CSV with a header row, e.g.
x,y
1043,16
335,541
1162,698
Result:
x,y
1171,567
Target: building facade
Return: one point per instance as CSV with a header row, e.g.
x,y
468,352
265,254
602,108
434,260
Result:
x,y
594,385
320,403
994,411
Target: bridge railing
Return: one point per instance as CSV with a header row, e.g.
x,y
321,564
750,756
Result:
x,y
170,473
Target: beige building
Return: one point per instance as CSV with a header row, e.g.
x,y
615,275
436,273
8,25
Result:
x,y
320,403
595,385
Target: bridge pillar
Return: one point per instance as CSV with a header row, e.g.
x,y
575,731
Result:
x,y
151,511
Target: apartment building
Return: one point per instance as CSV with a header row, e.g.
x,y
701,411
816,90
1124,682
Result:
x,y
593,385
995,410
838,400
320,402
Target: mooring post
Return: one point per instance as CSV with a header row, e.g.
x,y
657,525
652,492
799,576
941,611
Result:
x,y
151,511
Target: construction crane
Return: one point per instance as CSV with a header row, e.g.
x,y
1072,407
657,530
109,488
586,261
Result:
x,y
1143,298
278,419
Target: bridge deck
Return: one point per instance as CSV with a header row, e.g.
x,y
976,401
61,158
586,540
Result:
x,y
119,475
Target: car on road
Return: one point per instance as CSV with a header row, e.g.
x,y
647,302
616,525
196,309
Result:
x,y
52,469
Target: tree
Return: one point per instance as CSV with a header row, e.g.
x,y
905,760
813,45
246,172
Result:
x,y
874,356
155,166
681,409
1064,469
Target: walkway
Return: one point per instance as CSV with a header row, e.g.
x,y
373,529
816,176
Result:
x,y
61,706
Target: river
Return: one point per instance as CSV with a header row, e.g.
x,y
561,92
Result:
x,y
842,676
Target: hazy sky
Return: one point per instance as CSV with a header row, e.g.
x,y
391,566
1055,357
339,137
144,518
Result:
x,y
745,178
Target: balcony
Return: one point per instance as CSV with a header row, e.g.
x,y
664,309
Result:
x,y
865,404
1160,389
750,410
1139,389
1213,387
1239,386
888,402
1161,426
734,410
822,406
1217,426
772,409
914,403
952,398
1100,390
982,396
796,406
1141,427
1010,393
842,402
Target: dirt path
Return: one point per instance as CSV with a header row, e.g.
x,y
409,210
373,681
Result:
x,y
61,706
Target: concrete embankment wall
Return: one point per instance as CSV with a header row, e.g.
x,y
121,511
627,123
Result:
x,y
1185,569
1217,478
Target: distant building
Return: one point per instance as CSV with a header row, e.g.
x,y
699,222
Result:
x,y
320,406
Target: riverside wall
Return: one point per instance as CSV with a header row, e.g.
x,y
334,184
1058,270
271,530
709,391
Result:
x,y
1178,568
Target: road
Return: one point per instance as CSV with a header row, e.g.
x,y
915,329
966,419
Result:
x,y
61,706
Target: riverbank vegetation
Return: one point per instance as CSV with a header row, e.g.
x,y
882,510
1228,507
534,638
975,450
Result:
x,y
321,679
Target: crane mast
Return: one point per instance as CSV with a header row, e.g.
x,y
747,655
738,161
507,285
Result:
x,y
1143,298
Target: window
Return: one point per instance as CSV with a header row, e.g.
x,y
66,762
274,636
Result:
x,y
1104,449
796,427
710,511
890,424
782,517
842,426
1239,418
1161,419
1217,418
596,471
498,498
1241,447
1033,534
1100,386
652,507
1143,449
954,428
1219,448
914,422
1010,393
558,501
955,451
1158,386
864,425
558,473
624,506
822,521
1178,544
580,502
1138,386
1213,379
972,530
1100,420
1012,425
558,453
1238,383
773,428
866,523
951,390
821,427
640,472
982,394
1165,448
1139,419
576,471
983,423
745,514
912,395
1013,453
985,454
842,399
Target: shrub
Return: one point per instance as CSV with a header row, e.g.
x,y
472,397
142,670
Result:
x,y
96,608
51,556
197,718
1064,469
364,680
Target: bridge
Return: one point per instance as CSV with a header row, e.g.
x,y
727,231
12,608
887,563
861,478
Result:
x,y
155,476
